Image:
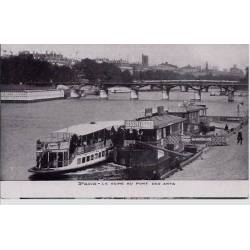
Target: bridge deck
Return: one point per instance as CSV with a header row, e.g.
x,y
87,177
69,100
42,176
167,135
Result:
x,y
182,83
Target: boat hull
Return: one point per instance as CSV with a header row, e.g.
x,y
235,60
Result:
x,y
145,164
90,159
57,172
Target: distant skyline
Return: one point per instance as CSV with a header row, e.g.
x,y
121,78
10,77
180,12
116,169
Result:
x,y
220,55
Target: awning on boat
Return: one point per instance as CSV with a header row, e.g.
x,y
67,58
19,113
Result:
x,y
88,128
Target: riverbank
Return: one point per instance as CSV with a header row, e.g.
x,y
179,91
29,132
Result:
x,y
219,163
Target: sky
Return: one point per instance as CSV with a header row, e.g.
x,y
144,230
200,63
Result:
x,y
220,55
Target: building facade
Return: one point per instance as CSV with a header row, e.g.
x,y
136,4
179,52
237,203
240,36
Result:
x,y
189,69
235,71
144,60
51,57
165,67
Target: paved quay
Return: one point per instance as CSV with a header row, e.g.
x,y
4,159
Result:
x,y
219,163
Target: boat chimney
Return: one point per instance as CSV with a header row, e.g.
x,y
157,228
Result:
x,y
148,112
160,110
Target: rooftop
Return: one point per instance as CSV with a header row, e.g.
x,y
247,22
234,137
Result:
x,y
164,120
168,64
88,128
187,109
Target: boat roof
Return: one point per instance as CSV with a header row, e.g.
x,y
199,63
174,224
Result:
x,y
88,128
187,109
161,121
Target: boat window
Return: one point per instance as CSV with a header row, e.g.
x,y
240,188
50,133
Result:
x,y
88,158
83,159
175,128
44,160
103,153
96,136
100,154
158,134
96,155
167,130
92,157
65,156
164,133
52,160
78,161
52,156
60,159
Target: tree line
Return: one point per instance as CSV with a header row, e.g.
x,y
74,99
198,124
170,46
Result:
x,y
170,75
25,69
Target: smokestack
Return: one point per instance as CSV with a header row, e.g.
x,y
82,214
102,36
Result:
x,y
148,112
160,110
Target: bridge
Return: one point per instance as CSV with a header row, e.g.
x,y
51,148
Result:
x,y
229,87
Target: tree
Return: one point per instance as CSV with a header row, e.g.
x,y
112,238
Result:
x,y
126,76
89,68
106,72
25,69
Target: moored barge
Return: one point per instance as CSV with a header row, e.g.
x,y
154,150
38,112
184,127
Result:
x,y
150,146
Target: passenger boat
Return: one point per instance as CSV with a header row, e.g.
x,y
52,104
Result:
x,y
74,148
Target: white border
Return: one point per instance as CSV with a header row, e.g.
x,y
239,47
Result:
x,y
124,189
125,227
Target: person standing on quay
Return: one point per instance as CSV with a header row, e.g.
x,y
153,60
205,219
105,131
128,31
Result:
x,y
239,138
226,128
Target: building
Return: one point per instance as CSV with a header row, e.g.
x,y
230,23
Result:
x,y
54,58
123,65
144,60
234,71
165,67
24,52
51,57
126,67
140,68
102,60
206,66
189,69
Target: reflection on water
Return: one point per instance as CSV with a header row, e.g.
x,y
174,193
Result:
x,y
23,124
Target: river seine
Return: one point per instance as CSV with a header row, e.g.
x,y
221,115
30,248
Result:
x,y
23,124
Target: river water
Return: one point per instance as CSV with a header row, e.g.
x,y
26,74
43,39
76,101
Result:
x,y
23,124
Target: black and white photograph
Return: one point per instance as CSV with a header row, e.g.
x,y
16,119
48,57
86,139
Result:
x,y
124,124
124,113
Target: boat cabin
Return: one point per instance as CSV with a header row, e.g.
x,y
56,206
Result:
x,y
155,128
192,115
67,144
139,144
